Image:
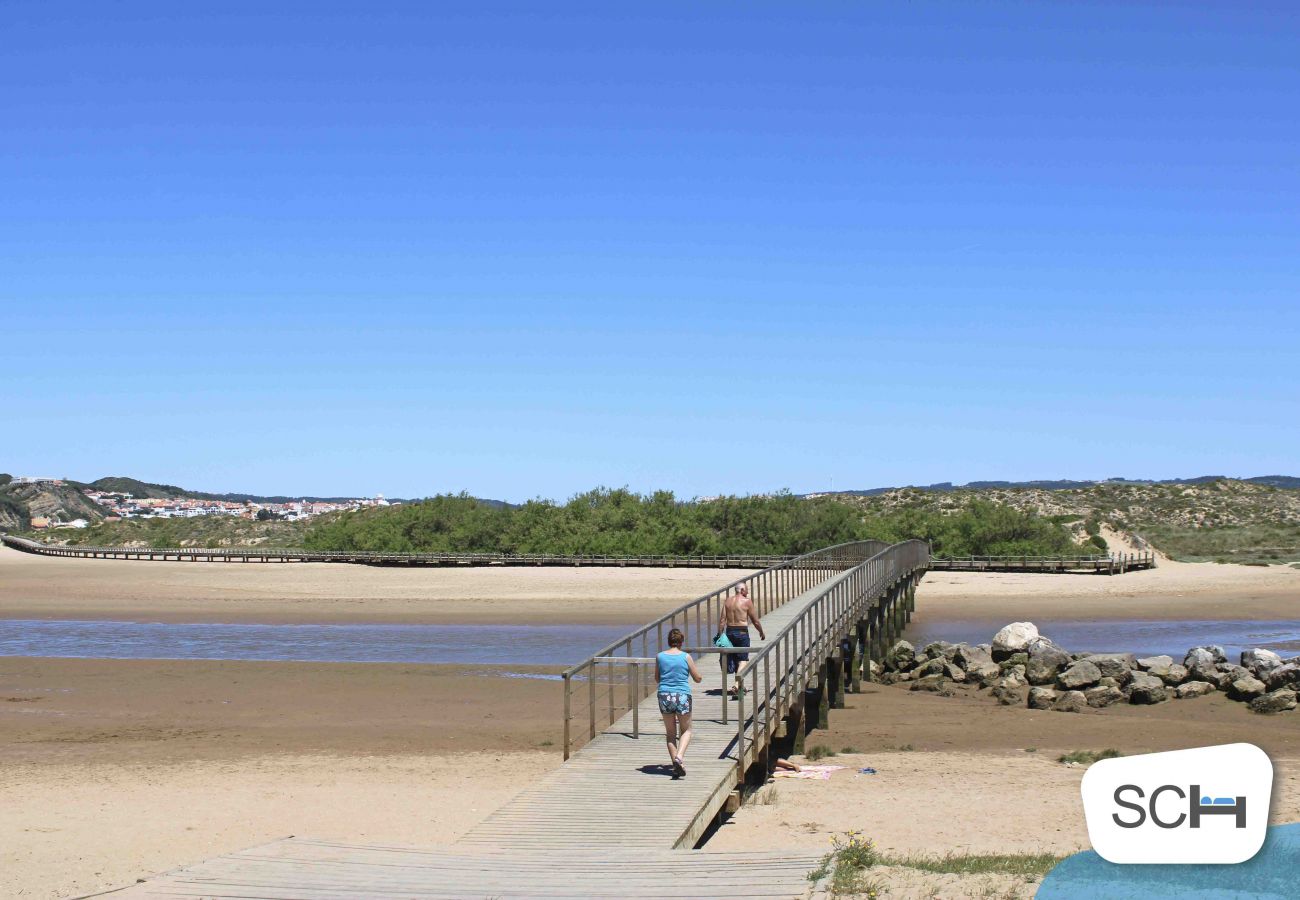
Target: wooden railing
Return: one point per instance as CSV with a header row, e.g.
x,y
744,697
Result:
x,y
374,558
779,673
595,689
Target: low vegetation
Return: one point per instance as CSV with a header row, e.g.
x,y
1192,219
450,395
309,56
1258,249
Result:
x,y
1219,519
1088,757
847,864
1025,864
818,751
854,857
619,522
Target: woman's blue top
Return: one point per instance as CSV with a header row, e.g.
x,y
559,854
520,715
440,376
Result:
x,y
674,672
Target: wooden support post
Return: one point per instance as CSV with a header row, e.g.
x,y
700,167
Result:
x,y
837,678
854,660
823,697
733,801
798,727
868,647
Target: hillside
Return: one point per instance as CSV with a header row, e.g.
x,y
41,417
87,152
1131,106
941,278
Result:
x,y
1219,519
200,531
136,488
20,503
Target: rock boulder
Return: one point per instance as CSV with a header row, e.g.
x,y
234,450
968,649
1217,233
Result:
x,y
1284,676
900,657
1071,701
1081,674
1274,702
1194,689
1116,665
1042,697
1014,638
1102,696
1247,687
1045,665
1260,662
1146,689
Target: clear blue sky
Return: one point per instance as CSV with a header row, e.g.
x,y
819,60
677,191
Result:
x,y
527,249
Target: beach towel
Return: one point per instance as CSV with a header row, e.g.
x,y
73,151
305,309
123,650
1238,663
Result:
x,y
816,773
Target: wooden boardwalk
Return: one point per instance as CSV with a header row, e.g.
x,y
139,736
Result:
x,y
611,821
619,786
1112,564
297,869
374,558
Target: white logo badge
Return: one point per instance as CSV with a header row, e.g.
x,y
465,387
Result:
x,y
1208,805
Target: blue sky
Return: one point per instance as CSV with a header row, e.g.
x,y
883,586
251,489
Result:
x,y
528,249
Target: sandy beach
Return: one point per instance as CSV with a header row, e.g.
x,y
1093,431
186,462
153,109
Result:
x,y
116,769
64,588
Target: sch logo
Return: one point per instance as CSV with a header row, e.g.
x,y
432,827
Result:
x,y
1154,808
1199,806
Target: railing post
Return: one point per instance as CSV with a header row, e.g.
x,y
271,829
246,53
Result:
x,y
634,699
567,686
591,694
740,737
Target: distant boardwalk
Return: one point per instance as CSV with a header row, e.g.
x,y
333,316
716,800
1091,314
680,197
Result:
x,y
370,558
611,821
1113,564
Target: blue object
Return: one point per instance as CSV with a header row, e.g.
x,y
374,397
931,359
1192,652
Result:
x,y
866,770
674,673
1269,874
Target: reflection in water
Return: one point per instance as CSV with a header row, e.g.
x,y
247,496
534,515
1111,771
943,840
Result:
x,y
1120,635
522,645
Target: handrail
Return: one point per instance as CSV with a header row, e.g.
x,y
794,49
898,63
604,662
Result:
x,y
770,587
841,601
686,607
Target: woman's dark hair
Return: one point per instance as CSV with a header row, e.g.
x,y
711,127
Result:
x,y
676,638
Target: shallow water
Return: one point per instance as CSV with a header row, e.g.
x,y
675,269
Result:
x,y
1125,635
520,645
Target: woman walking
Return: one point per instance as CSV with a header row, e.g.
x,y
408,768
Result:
x,y
673,668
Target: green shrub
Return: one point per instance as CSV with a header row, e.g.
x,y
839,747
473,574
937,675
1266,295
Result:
x,y
1088,757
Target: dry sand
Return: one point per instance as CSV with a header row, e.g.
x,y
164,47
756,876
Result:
x,y
63,588
1171,591
115,769
69,830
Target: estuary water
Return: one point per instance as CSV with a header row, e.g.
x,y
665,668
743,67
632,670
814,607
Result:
x,y
1145,638
521,645
545,645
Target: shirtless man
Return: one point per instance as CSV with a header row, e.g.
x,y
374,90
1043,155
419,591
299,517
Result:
x,y
737,613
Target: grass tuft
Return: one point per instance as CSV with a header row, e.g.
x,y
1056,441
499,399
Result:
x,y
1023,864
1088,757
818,751
852,856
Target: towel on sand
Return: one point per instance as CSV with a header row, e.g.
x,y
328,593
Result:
x,y
819,773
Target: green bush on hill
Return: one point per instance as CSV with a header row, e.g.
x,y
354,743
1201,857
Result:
x,y
619,522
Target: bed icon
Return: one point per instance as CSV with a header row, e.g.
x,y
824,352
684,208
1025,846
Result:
x,y
1217,806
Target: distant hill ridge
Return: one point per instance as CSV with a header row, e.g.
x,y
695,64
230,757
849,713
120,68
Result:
x,y
1287,482
123,485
